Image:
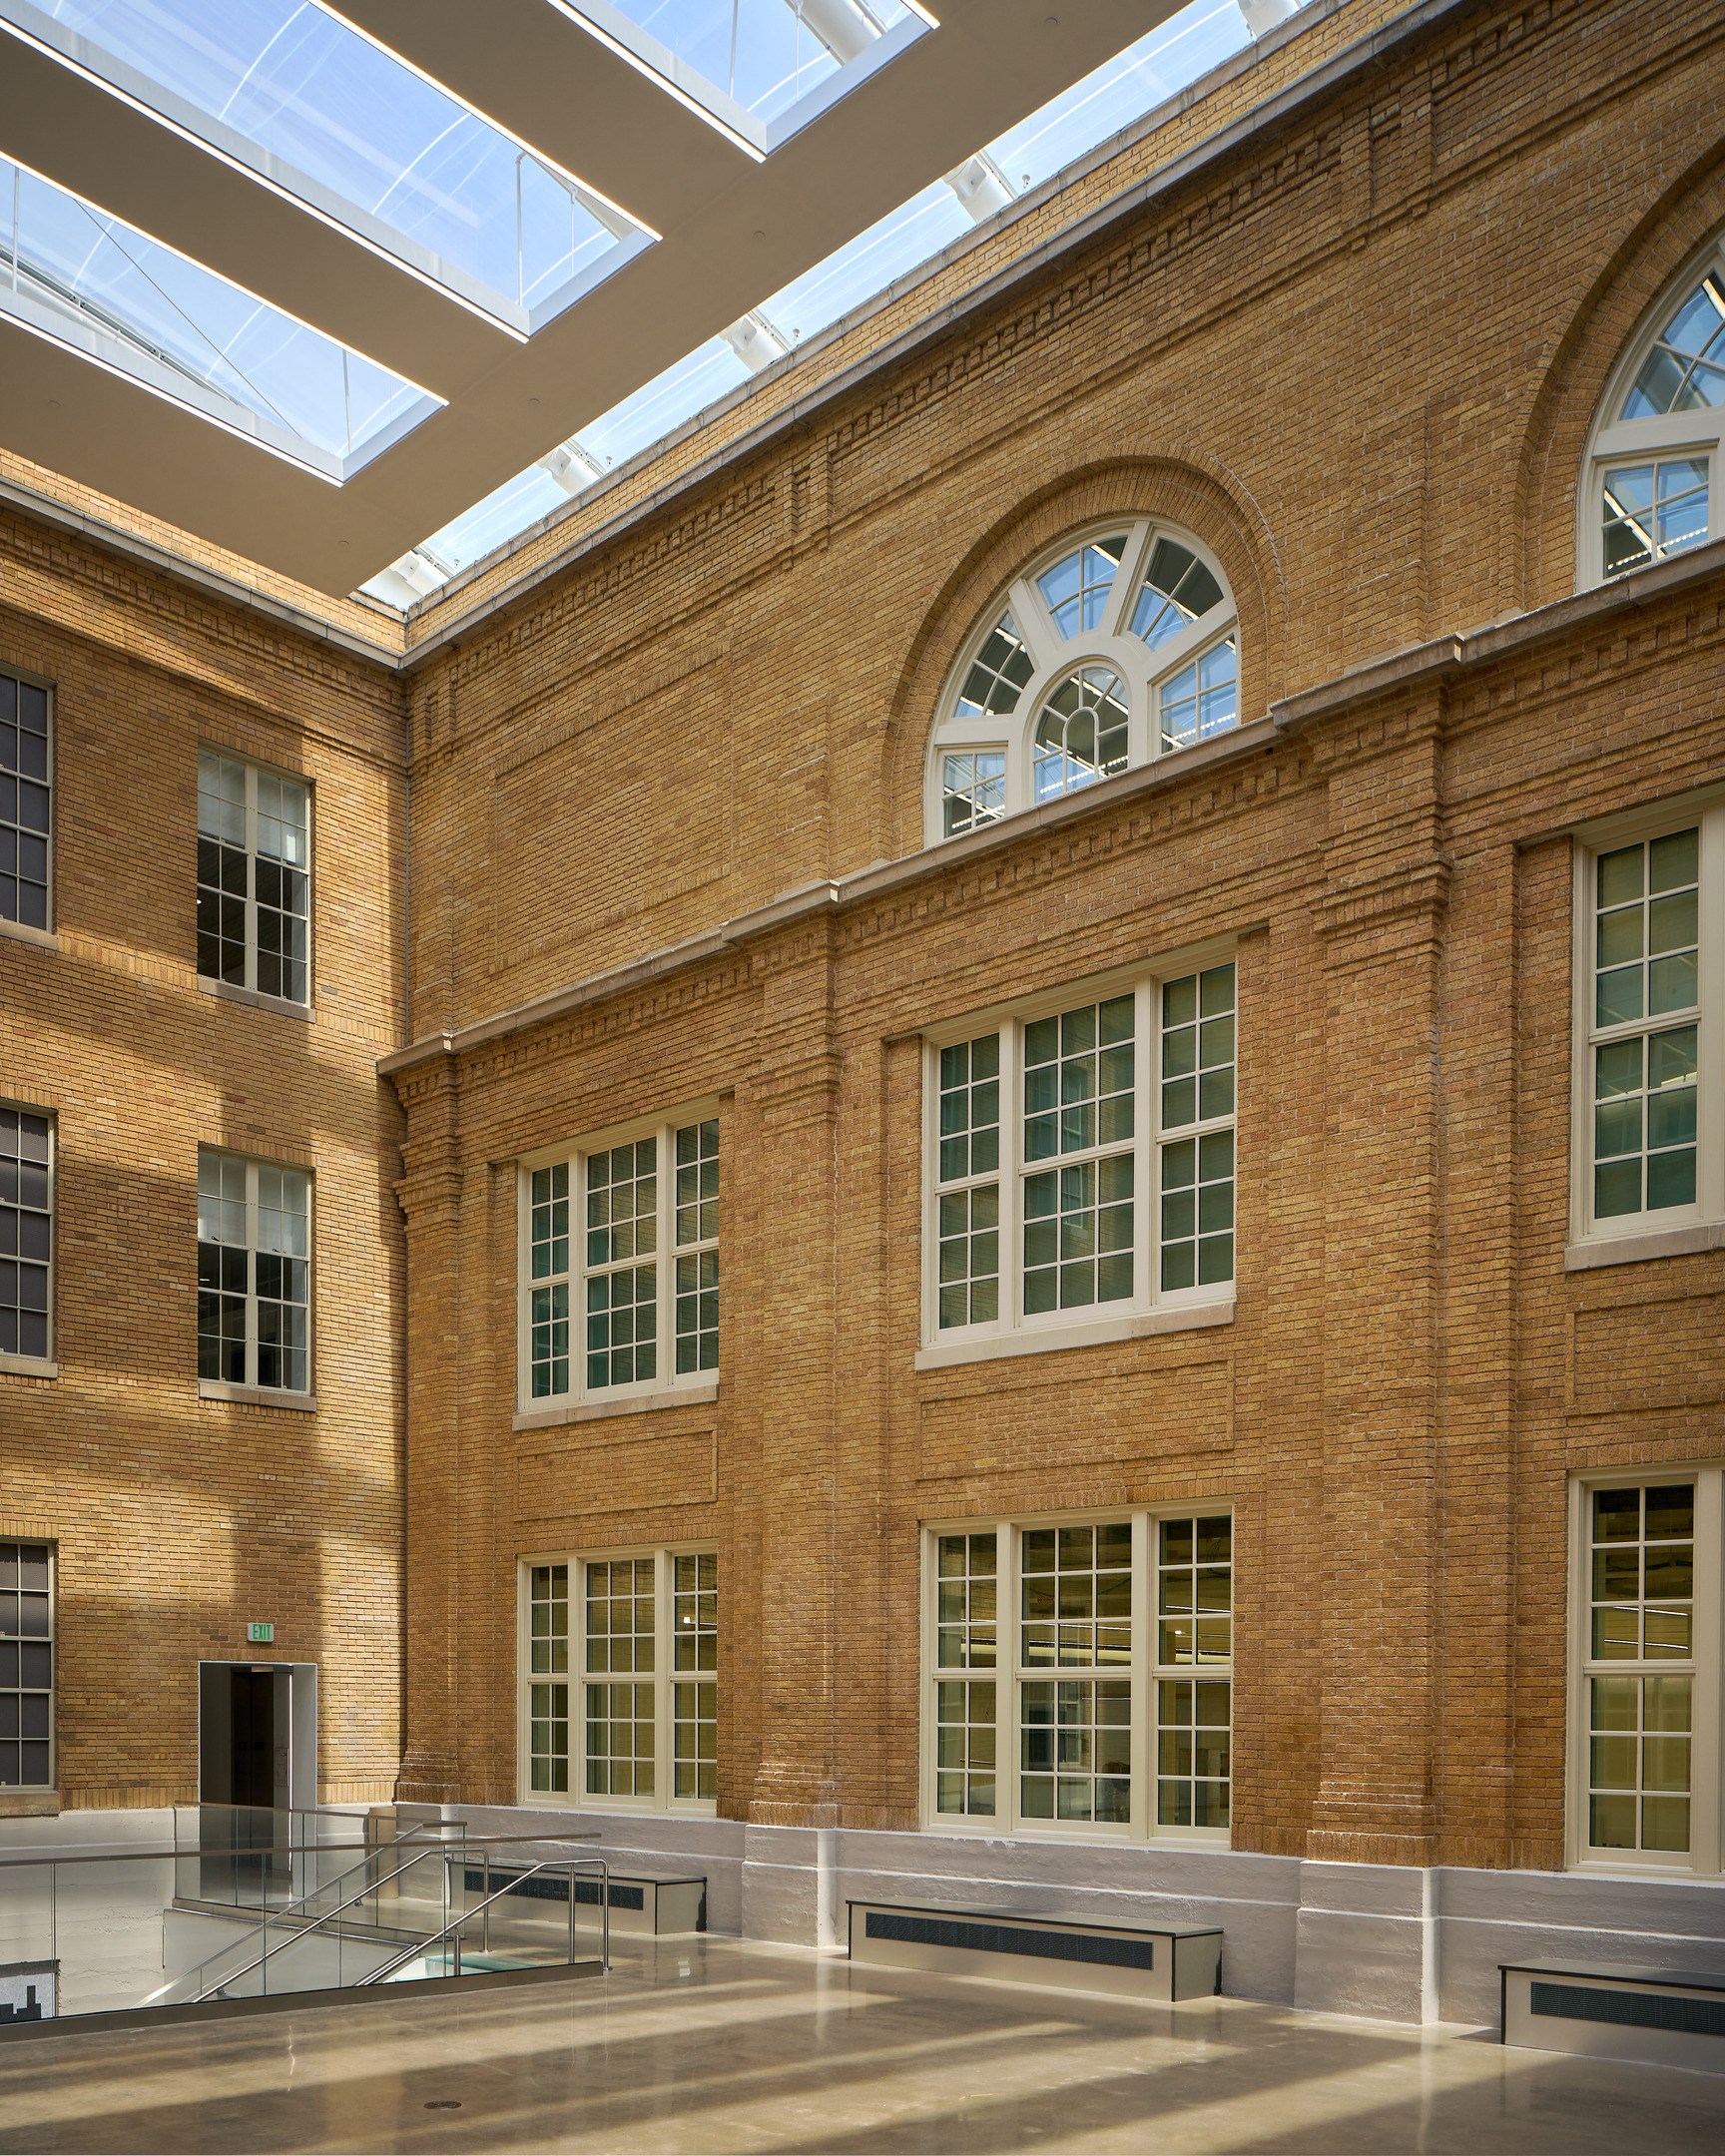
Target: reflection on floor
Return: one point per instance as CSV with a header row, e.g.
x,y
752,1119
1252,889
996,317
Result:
x,y
708,2045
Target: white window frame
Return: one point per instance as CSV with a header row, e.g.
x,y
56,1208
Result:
x,y
1111,644
44,1364
253,1164
1706,1855
1009,1675
1104,1319
663,1129
1616,443
1585,1231
253,771
661,1676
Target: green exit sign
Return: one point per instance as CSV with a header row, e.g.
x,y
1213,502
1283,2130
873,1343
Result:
x,y
260,1634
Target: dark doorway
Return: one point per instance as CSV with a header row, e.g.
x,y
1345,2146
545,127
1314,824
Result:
x,y
244,1762
252,1723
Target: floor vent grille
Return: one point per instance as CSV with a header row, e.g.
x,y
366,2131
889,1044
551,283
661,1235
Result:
x,y
1077,1946
1629,2009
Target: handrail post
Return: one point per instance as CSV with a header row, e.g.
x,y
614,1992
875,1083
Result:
x,y
485,1916
604,1910
571,1881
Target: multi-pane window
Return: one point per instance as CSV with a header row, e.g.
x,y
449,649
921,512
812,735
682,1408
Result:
x,y
26,1232
1657,437
548,1689
254,1273
1652,510
1117,647
974,787
697,1246
1047,1134
1645,1729
643,1672
1201,699
1194,1662
1079,1675
694,1687
26,782
26,1665
254,878
1081,735
620,1262
1647,1070
1198,1057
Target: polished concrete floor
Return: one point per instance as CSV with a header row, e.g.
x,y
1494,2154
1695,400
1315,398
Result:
x,y
709,2046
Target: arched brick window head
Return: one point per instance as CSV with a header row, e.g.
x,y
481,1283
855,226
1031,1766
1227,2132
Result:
x,y
1116,646
1652,483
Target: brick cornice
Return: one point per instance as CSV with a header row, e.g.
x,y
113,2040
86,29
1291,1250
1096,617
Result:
x,y
1422,667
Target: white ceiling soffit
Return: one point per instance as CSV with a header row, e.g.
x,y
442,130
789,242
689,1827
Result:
x,y
740,210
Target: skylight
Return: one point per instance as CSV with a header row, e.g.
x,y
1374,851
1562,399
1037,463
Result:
x,y
349,127
82,279
1183,48
761,55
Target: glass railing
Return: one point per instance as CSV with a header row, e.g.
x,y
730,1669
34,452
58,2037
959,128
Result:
x,y
249,1902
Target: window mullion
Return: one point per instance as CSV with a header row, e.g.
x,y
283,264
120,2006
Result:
x,y
1143,1679
1012,1174
250,877
665,1256
1710,1180
251,1272
1009,1742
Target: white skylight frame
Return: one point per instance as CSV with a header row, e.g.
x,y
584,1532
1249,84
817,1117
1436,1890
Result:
x,y
695,91
162,106
451,551
123,353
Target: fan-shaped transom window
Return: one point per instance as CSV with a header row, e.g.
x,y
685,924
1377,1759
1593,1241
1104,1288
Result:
x,y
1117,646
1652,485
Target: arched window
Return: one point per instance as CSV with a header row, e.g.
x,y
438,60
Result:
x,y
1652,485
1117,645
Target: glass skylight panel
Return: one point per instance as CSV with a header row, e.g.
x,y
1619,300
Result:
x,y
913,233
1121,91
762,53
73,275
1115,94
302,86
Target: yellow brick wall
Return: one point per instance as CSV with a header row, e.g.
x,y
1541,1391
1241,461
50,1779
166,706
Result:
x,y
1359,359
178,1519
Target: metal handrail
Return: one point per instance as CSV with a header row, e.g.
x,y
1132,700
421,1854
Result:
x,y
269,1916
328,1916
161,1856
548,1863
446,1848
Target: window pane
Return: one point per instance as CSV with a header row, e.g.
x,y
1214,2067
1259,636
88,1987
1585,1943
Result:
x,y
1639,1743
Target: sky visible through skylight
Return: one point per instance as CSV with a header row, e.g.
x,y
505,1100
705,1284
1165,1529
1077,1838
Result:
x,y
759,51
73,273
1175,54
306,88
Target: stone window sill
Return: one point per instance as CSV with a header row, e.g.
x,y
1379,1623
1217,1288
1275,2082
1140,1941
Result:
x,y
601,1411
29,1803
1637,1249
1101,1333
45,938
26,1366
257,1396
227,993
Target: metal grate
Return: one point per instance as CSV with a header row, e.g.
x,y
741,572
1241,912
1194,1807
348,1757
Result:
x,y
1630,2009
1079,1946
546,1886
